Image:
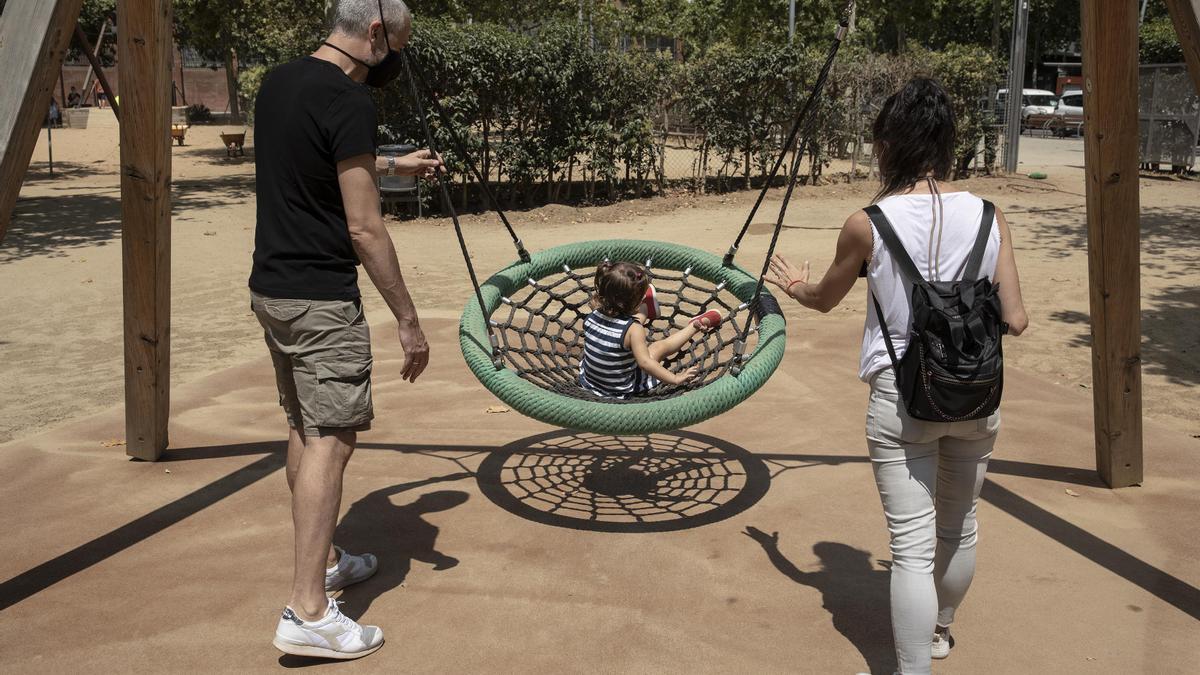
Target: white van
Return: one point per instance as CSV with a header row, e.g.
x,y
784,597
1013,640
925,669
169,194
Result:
x,y
1033,102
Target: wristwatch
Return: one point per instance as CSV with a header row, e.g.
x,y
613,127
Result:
x,y
391,171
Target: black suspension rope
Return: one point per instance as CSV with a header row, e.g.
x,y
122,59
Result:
x,y
807,139
441,180
803,120
461,147
799,123
415,74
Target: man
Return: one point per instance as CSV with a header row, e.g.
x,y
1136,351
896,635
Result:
x,y
318,217
73,98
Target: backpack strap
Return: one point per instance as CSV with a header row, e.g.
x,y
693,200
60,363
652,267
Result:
x,y
908,270
890,239
887,336
975,260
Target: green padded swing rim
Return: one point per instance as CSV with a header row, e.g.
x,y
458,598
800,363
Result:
x,y
620,418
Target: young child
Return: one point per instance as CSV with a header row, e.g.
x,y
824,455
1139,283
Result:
x,y
618,360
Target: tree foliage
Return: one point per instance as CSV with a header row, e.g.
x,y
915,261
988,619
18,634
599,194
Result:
x,y
1158,41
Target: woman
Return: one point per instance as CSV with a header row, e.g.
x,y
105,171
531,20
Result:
x,y
928,474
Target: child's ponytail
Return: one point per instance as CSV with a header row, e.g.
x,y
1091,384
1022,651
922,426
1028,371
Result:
x,y
619,287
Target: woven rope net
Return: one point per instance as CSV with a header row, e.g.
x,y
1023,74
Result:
x,y
541,330
535,313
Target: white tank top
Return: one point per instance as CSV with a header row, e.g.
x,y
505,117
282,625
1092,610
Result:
x,y
911,216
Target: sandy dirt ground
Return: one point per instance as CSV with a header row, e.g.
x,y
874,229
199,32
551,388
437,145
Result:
x,y
61,341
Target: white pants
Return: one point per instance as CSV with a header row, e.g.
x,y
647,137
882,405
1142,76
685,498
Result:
x,y
929,475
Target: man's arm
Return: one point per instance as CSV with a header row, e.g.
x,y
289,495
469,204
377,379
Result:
x,y
421,163
373,243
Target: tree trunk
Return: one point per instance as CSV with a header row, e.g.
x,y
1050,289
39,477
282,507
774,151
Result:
x,y
996,28
231,81
182,82
487,152
746,169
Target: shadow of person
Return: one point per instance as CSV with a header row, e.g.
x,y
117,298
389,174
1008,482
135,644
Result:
x,y
853,591
397,535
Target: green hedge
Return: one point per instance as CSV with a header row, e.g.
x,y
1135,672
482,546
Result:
x,y
551,117
541,110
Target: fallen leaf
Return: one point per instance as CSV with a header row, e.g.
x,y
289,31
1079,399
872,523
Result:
x,y
86,281
112,443
1072,492
210,233
494,409
166,471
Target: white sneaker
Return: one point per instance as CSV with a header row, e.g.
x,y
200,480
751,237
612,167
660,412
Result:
x,y
333,636
350,569
942,642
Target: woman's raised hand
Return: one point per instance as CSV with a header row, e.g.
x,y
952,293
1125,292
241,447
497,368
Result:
x,y
784,274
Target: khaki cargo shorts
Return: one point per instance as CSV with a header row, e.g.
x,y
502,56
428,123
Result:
x,y
322,355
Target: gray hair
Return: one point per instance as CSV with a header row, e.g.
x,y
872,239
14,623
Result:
x,y
354,17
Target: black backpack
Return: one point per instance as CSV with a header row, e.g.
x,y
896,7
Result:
x,y
953,369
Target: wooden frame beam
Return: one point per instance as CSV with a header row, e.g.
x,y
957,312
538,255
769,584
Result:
x,y
1110,72
94,66
144,52
1186,17
34,35
94,61
1185,14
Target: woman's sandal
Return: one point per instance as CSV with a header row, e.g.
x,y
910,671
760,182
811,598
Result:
x,y
708,320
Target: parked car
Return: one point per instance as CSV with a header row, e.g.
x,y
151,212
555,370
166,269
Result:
x,y
1033,102
1069,113
1071,104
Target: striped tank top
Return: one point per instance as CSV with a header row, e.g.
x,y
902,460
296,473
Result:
x,y
608,368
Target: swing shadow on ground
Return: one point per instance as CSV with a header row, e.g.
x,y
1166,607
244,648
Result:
x,y
627,484
410,538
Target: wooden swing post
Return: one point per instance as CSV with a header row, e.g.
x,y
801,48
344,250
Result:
x,y
144,53
1110,104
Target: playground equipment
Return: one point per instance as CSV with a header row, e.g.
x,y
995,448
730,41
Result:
x,y
529,356
179,124
234,144
34,34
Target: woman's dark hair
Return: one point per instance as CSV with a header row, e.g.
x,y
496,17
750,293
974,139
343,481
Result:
x,y
914,136
620,288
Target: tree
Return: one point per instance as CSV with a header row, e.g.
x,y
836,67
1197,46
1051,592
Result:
x,y
92,18
1158,41
234,31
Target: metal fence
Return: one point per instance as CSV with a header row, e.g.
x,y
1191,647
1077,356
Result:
x,y
1168,117
683,154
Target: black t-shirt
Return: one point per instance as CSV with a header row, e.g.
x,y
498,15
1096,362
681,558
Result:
x,y
308,117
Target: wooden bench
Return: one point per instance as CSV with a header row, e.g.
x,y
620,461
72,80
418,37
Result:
x,y
1057,125
1062,125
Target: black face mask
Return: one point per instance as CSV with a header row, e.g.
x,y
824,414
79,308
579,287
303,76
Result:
x,y
386,71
